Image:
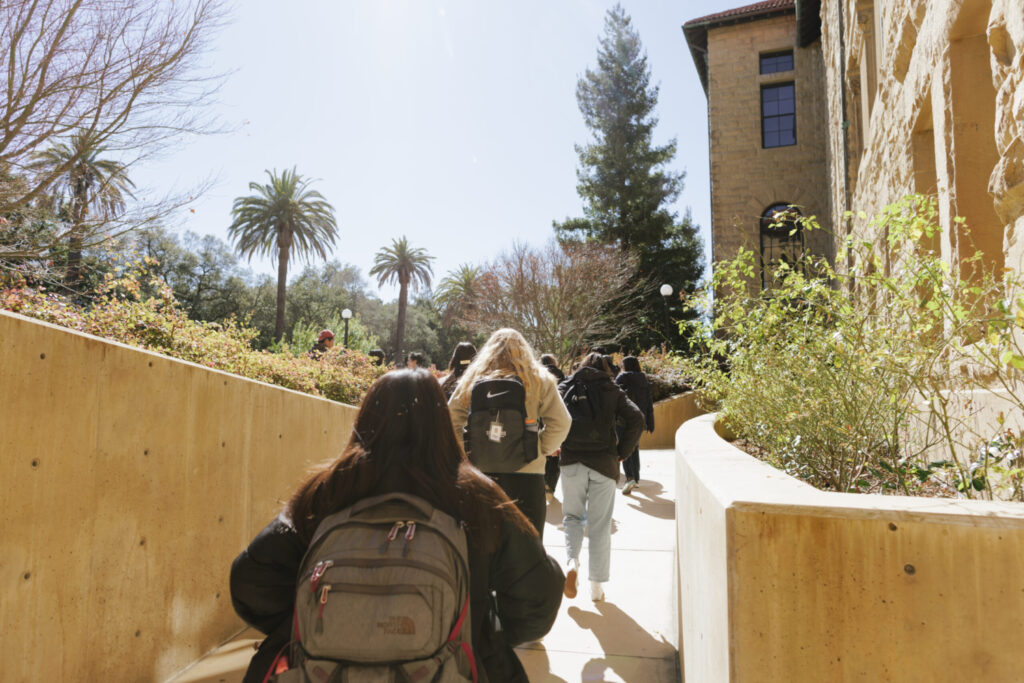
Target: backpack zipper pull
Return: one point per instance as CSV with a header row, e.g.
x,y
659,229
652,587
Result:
x,y
320,612
318,573
391,535
409,534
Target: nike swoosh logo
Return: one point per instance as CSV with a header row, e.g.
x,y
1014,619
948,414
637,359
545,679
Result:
x,y
500,393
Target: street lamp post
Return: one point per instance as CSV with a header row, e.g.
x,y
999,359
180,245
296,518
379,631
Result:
x,y
346,314
666,292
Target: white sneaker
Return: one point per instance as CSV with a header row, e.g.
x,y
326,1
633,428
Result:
x,y
572,579
596,591
628,488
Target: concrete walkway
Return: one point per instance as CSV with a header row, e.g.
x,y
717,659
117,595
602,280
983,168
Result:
x,y
628,637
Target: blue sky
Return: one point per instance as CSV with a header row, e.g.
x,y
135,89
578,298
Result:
x,y
449,121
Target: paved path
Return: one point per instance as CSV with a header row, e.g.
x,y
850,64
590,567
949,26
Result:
x,y
628,637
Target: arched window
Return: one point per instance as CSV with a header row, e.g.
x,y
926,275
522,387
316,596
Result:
x,y
782,239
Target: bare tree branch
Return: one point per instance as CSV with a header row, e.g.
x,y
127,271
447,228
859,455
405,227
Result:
x,y
560,297
127,73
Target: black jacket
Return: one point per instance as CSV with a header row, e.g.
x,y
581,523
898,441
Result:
x,y
638,390
603,456
526,582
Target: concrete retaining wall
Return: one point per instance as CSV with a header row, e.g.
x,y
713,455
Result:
x,y
668,415
130,482
781,582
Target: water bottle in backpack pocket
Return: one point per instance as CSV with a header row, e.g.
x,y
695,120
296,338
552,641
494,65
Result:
x,y
499,436
383,597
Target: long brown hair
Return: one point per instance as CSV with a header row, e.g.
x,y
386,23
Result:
x,y
403,440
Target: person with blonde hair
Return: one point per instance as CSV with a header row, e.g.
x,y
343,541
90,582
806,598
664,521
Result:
x,y
509,410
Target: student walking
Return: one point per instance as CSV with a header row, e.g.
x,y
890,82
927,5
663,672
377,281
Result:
x,y
638,389
402,443
500,403
551,470
462,356
590,466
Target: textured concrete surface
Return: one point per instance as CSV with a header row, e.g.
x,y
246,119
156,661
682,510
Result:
x,y
782,582
131,480
626,638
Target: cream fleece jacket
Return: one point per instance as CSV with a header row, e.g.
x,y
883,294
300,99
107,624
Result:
x,y
549,408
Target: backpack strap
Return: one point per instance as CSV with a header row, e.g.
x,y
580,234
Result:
x,y
466,647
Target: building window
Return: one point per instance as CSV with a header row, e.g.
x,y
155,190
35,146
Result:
x,y
782,241
775,62
778,115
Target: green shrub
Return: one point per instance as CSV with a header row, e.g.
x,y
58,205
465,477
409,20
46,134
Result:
x,y
854,380
143,312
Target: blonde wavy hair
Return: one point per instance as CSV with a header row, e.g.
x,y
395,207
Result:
x,y
505,354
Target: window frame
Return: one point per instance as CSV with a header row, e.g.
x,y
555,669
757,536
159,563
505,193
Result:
x,y
778,239
764,117
774,55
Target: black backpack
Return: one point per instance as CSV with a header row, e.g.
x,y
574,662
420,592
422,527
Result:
x,y
584,402
499,436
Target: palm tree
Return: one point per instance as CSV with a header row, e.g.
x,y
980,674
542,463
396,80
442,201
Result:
x,y
281,217
455,293
85,184
404,265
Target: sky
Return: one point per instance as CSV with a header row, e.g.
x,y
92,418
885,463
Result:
x,y
451,122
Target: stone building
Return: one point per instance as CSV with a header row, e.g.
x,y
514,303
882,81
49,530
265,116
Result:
x,y
763,74
892,97
926,96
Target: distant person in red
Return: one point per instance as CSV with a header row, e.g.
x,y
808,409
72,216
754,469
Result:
x,y
323,343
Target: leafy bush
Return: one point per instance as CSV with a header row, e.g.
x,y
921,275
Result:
x,y
666,371
855,380
142,312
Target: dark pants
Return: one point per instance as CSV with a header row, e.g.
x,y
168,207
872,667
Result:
x,y
551,472
631,466
527,490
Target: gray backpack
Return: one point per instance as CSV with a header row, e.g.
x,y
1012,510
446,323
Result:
x,y
383,597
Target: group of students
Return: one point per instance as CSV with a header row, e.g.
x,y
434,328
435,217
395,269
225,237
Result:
x,y
427,457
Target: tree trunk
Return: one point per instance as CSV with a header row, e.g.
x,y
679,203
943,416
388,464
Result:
x,y
403,302
282,286
73,272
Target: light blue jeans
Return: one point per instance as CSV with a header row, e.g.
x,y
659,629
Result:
x,y
588,497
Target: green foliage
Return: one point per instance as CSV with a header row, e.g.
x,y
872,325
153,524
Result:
x,y
860,380
405,266
122,310
283,217
624,181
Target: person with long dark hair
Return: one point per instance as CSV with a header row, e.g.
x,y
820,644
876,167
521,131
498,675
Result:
x,y
403,441
462,356
638,389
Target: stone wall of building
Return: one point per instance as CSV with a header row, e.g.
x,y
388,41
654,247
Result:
x,y
934,95
747,179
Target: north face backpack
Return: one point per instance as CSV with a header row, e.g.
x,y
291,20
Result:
x,y
382,597
583,401
499,437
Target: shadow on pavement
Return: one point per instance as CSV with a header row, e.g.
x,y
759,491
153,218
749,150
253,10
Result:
x,y
649,501
616,631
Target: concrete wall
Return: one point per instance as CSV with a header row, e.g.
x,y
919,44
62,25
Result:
x,y
746,178
130,482
782,582
668,415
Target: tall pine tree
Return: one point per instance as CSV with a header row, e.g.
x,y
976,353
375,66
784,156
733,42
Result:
x,y
624,181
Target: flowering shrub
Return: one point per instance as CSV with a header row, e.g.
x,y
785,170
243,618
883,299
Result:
x,y
143,312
